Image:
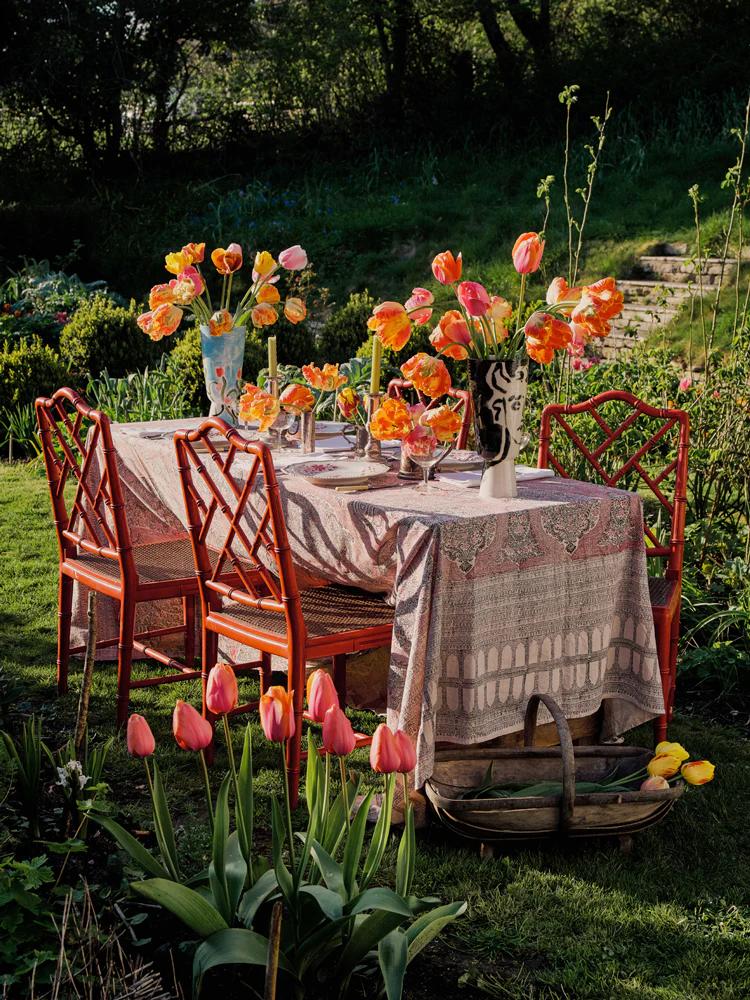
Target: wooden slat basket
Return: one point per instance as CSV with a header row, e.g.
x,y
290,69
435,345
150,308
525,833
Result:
x,y
596,814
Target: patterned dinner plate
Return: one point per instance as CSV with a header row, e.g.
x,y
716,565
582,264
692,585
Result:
x,y
329,472
458,461
329,428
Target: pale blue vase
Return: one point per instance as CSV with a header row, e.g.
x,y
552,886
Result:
x,y
222,369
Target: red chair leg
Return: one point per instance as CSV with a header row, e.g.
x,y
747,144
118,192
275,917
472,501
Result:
x,y
265,672
674,642
296,681
663,646
339,677
188,617
124,658
64,614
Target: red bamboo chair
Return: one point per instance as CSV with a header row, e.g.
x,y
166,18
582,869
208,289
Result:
x,y
96,550
266,612
463,405
623,459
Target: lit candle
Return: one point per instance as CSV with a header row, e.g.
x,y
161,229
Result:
x,y
377,357
272,371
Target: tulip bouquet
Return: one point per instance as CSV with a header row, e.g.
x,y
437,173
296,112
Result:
x,y
336,922
478,325
670,763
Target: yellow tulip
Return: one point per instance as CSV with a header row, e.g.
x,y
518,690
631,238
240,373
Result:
x,y
264,264
698,772
176,262
664,765
673,749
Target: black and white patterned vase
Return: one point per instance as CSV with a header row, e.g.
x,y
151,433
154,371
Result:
x,y
499,391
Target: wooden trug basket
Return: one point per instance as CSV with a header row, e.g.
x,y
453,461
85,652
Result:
x,y
596,814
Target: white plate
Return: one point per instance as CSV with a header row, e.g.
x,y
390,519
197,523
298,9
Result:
x,y
329,428
457,461
332,472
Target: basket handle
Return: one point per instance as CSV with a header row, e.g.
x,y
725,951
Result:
x,y
566,752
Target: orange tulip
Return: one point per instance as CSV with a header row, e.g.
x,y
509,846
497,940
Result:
x,y
447,268
263,315
159,295
428,375
277,714
268,293
326,379
348,403
560,291
297,399
406,751
140,739
385,757
295,310
390,322
162,322
190,729
221,691
527,253
698,772
451,336
176,262
260,406
338,735
186,286
321,694
605,298
221,322
227,261
444,422
195,252
545,335
391,420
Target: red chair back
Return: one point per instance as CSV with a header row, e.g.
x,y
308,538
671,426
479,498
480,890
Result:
x,y
463,404
234,493
94,521
660,462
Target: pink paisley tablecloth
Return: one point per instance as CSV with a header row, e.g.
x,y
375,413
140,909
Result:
x,y
493,600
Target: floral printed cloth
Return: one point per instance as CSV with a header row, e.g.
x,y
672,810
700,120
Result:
x,y
493,599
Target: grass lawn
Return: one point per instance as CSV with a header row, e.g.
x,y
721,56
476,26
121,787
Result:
x,y
671,921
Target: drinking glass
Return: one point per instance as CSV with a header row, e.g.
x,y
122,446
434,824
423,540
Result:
x,y
427,458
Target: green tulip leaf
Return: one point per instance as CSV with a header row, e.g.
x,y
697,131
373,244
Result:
x,y
393,956
233,946
256,896
430,924
329,902
329,869
187,905
135,849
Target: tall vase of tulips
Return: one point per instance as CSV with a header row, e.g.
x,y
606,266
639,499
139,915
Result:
x,y
488,332
223,327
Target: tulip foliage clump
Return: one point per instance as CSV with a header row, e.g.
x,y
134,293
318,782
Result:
x,y
337,923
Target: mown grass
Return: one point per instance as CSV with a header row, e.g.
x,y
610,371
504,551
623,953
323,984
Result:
x,y
671,921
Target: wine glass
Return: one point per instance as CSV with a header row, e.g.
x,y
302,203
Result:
x,y
273,437
426,451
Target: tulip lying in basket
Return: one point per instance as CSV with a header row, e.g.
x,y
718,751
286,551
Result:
x,y
517,794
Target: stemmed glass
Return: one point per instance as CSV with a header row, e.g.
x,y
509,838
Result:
x,y
273,437
426,452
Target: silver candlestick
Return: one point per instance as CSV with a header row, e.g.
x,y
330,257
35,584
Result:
x,y
373,450
307,432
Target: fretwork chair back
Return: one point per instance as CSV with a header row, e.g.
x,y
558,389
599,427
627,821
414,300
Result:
x,y
234,494
638,446
463,404
95,545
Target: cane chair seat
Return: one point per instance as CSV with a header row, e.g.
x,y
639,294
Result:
x,y
663,593
328,611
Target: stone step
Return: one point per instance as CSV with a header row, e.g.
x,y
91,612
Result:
x,y
652,290
682,269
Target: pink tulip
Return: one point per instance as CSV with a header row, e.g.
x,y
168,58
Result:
x,y
473,297
384,753
321,694
190,729
277,714
338,735
686,383
293,259
141,741
654,784
221,691
406,752
419,297
527,253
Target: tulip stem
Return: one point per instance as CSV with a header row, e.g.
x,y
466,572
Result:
x,y
207,784
230,750
520,303
287,804
345,793
229,291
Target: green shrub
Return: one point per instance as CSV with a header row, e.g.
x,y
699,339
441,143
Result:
x,y
27,370
185,369
343,333
103,335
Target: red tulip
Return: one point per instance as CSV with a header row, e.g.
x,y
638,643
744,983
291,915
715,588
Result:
x,y
321,694
338,735
190,729
221,691
527,253
277,714
141,741
473,297
406,751
384,753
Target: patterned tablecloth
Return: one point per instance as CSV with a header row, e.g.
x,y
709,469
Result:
x,y
493,600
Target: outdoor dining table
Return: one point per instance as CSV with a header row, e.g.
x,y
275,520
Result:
x,y
493,600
